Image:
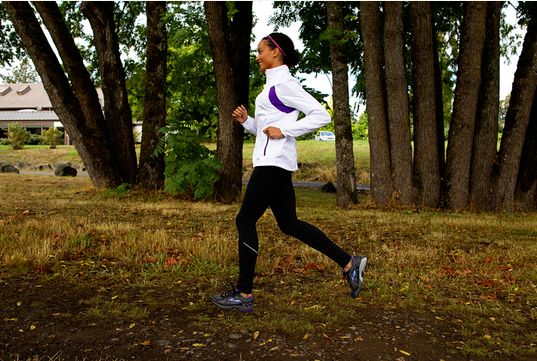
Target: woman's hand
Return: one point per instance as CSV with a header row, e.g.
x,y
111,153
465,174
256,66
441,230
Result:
x,y
273,133
240,114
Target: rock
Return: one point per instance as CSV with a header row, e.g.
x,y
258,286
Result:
x,y
8,168
329,188
23,165
235,336
78,167
164,342
60,164
64,170
3,163
41,167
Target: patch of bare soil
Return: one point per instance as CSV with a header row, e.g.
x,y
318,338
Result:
x,y
45,319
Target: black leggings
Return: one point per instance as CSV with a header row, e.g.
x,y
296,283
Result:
x,y
273,187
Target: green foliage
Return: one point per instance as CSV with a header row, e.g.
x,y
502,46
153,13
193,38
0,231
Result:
x,y
51,136
360,128
118,192
190,166
18,136
11,47
24,73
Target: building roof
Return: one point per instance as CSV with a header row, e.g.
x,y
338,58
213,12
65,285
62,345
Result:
x,y
28,115
28,96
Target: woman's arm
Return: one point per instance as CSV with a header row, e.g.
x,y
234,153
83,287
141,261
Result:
x,y
293,95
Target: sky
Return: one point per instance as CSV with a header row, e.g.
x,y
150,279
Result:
x,y
263,9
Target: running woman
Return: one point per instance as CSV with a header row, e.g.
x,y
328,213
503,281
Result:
x,y
274,159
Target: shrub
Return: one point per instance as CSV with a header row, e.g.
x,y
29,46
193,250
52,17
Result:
x,y
190,166
18,136
51,137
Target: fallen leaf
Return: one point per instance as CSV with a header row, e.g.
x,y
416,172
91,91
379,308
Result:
x,y
19,303
198,345
488,337
404,352
132,325
326,336
32,327
305,336
256,335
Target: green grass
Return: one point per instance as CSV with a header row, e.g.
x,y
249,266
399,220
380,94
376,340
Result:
x,y
479,270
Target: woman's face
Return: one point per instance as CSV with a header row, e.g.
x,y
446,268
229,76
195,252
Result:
x,y
266,57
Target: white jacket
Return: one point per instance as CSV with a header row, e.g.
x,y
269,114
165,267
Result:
x,y
279,105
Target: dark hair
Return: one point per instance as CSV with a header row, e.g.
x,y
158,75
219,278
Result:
x,y
292,56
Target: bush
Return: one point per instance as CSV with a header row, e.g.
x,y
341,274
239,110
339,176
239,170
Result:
x,y
18,136
190,166
51,137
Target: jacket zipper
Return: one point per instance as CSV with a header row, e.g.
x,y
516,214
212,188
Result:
x,y
266,145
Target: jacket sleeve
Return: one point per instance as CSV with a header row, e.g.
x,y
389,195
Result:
x,y
250,125
293,95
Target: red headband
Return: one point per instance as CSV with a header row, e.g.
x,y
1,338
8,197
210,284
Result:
x,y
276,45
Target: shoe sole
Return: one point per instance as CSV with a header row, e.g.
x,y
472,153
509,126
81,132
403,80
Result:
x,y
232,307
361,271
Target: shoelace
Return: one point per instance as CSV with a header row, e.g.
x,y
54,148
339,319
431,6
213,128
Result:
x,y
230,292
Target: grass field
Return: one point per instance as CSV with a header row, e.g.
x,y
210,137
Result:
x,y
318,159
477,269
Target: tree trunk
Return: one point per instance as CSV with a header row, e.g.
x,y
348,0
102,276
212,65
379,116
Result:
x,y
517,118
230,48
426,166
486,126
461,131
346,175
526,189
116,104
76,109
151,169
397,100
376,104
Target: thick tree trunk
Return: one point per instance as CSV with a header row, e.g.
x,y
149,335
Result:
x,y
76,108
376,104
346,175
517,118
151,169
116,104
461,131
486,126
526,189
230,83
440,138
397,100
426,167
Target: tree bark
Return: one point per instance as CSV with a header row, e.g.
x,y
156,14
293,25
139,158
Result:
x,y
486,125
426,166
376,104
517,118
230,48
461,130
76,107
397,101
116,104
151,169
526,188
346,175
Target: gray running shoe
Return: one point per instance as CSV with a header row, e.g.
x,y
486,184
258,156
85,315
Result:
x,y
354,277
233,300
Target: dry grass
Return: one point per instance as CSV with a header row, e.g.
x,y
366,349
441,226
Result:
x,y
478,268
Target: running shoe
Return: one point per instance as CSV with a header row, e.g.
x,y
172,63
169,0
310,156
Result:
x,y
354,277
233,300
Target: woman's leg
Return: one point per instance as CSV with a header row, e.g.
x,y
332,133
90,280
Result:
x,y
284,208
262,188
